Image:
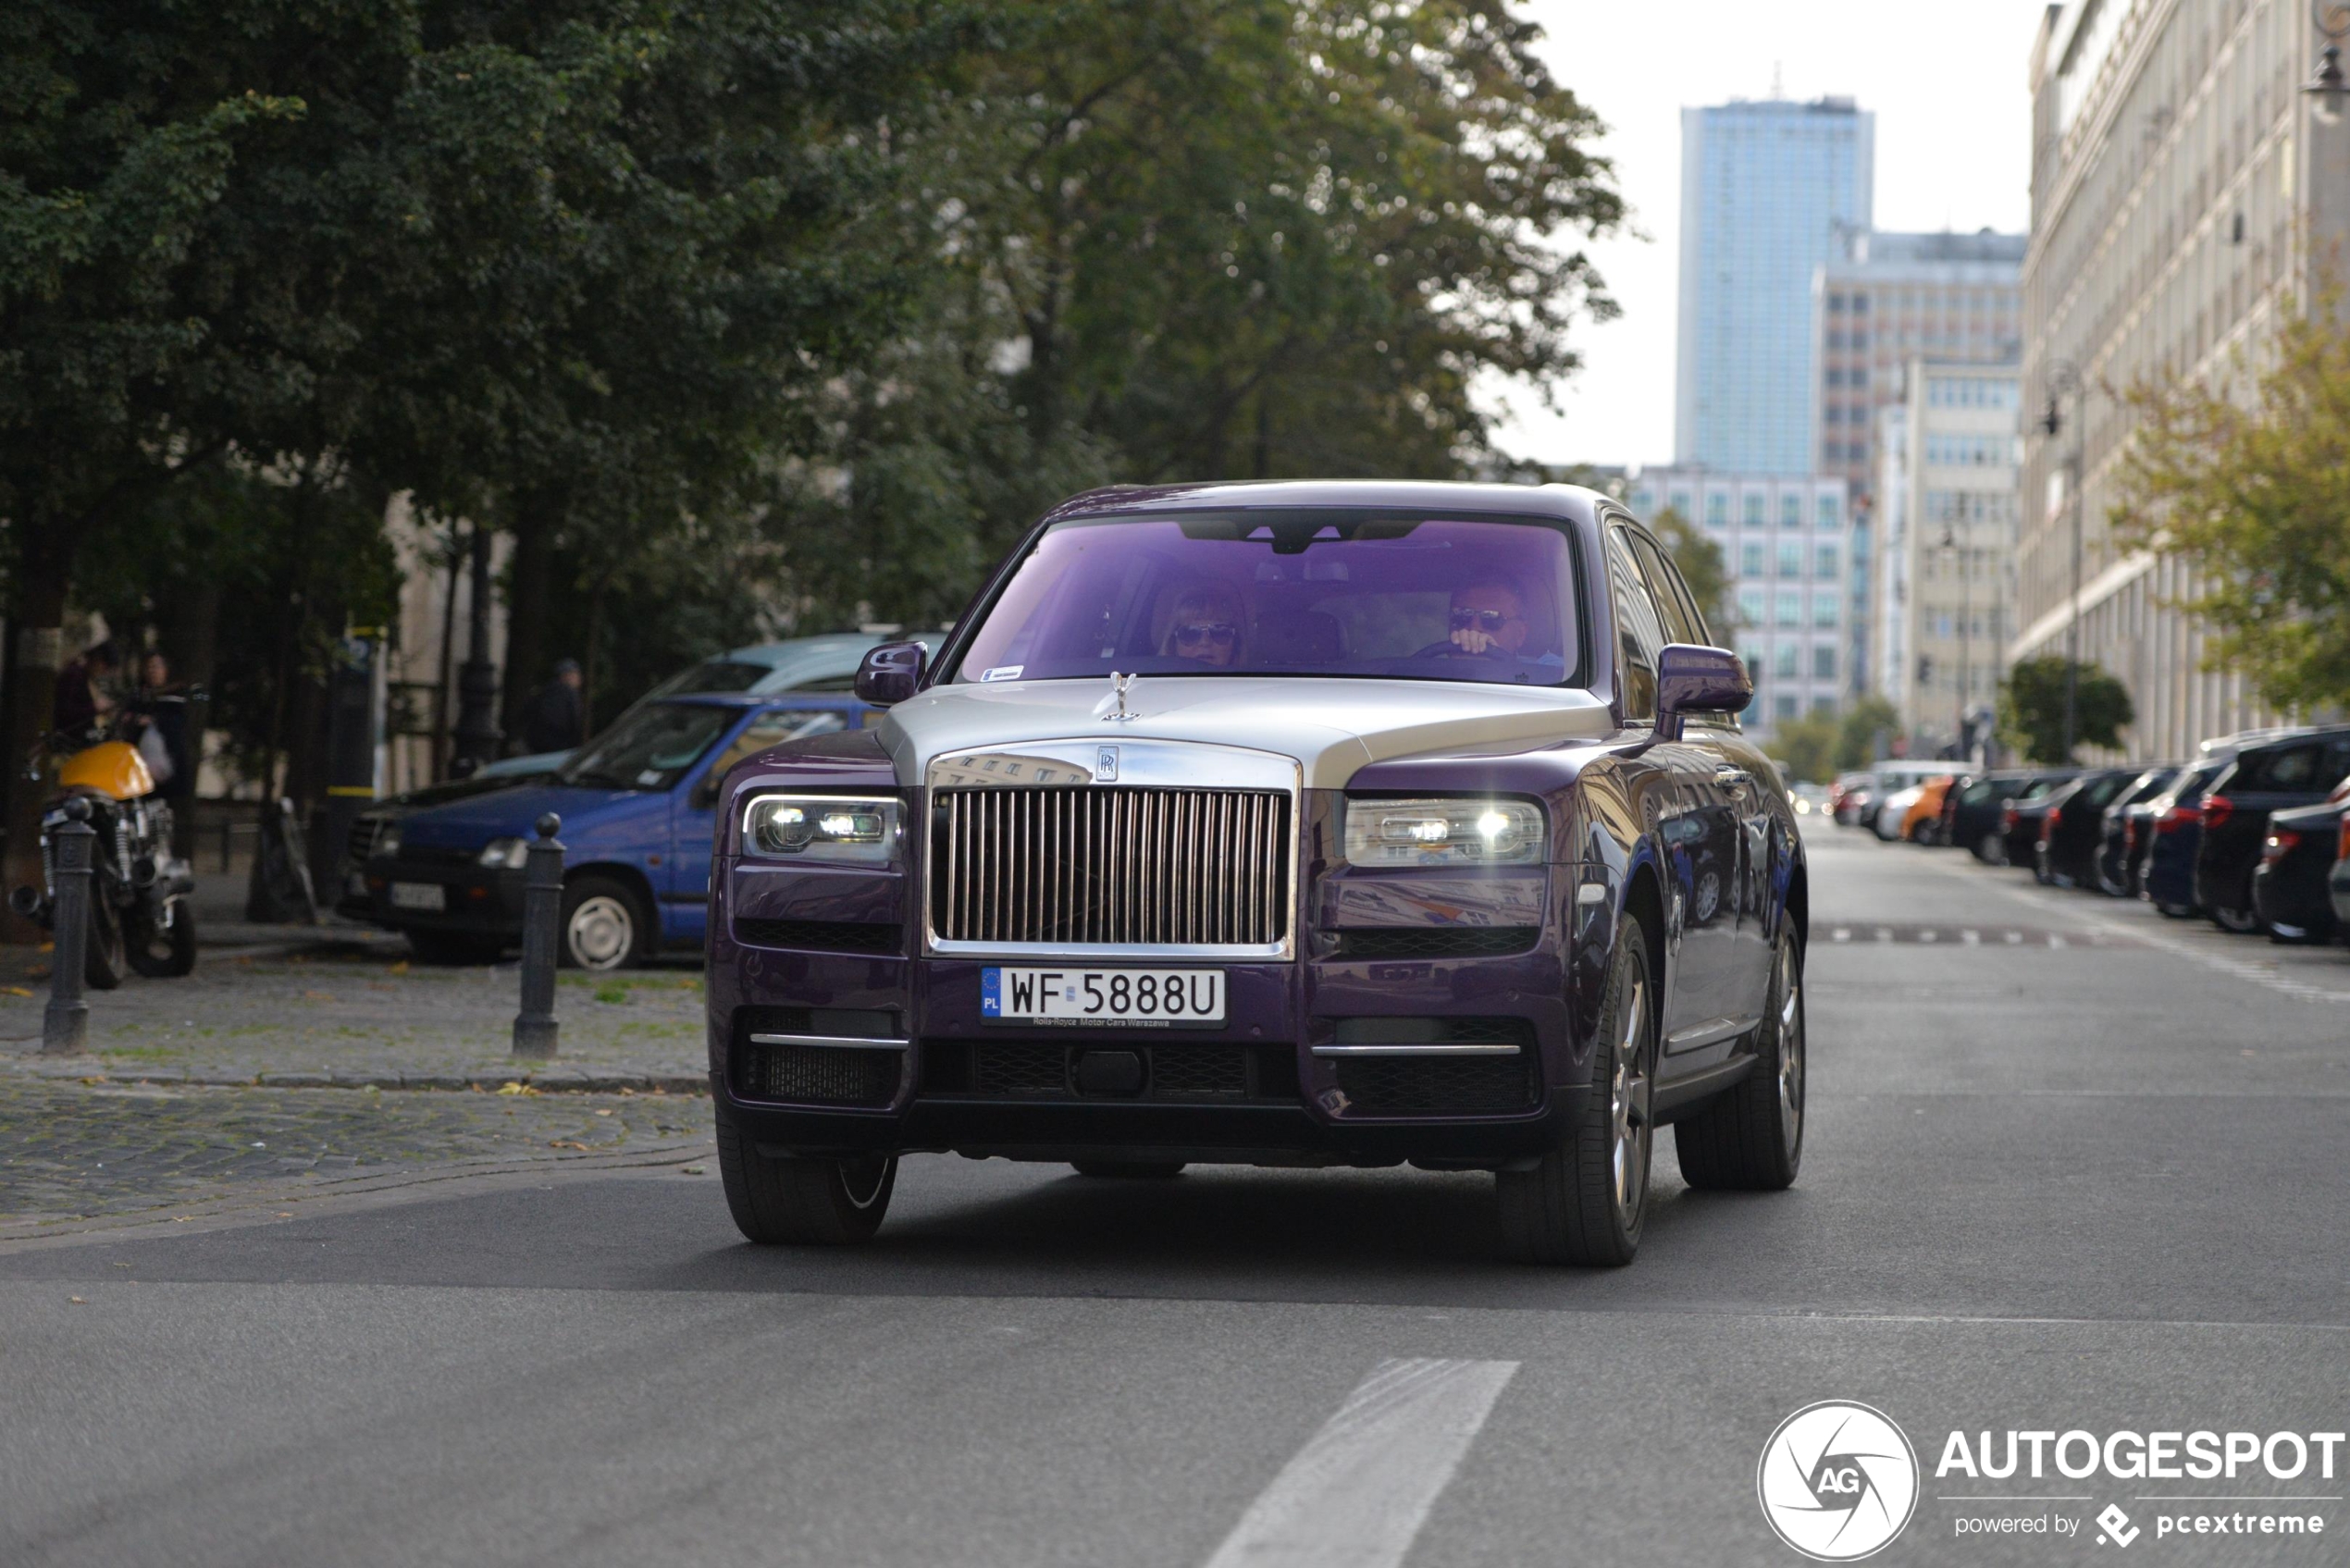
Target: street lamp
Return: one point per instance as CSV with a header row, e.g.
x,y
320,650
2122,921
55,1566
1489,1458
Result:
x,y
2329,87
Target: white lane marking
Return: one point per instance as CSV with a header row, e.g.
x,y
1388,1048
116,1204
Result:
x,y
1972,938
1883,935
1929,935
1357,1493
1843,933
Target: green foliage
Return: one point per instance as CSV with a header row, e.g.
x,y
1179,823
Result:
x,y
1702,567
1863,732
1807,747
2031,710
2247,481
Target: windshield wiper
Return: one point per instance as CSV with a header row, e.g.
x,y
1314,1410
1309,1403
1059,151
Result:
x,y
594,780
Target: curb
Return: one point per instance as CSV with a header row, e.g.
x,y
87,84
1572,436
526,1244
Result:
x,y
478,1082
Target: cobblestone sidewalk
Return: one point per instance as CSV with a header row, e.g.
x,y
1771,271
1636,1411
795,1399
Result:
x,y
72,1151
342,1015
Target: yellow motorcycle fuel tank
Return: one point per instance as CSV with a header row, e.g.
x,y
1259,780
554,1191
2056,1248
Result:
x,y
112,768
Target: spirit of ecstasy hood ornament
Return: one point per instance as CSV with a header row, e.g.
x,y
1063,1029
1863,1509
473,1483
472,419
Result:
x,y
1117,684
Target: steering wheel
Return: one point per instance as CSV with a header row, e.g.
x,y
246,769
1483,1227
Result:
x,y
1449,649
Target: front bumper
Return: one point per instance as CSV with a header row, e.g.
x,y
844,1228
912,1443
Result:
x,y
475,900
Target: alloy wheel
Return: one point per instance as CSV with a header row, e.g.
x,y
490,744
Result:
x,y
1791,1045
1628,1108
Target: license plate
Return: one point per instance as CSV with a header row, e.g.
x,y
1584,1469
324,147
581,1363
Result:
x,y
1130,998
419,896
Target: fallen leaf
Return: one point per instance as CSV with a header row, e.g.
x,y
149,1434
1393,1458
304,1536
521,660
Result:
x,y
568,1143
100,1078
516,1088
15,990
316,996
47,948
77,1300
603,1113
696,1171
400,968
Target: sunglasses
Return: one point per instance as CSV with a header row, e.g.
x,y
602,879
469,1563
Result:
x,y
1485,620
1217,634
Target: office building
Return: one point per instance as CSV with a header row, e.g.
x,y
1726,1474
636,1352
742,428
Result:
x,y
2182,182
1947,499
1786,543
1883,300
1766,190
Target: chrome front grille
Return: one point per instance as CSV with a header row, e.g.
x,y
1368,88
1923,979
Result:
x,y
1095,866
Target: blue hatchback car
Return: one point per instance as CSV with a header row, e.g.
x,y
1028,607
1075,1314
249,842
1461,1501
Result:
x,y
636,804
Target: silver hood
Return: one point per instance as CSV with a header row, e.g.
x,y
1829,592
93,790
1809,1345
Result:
x,y
1329,727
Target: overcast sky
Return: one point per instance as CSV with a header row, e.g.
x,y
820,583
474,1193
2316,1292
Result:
x,y
1947,83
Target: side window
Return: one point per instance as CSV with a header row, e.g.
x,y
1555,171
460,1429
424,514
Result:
x,y
1672,595
1639,628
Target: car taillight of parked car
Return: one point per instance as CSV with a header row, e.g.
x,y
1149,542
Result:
x,y
2216,809
2343,852
2047,827
2008,818
2178,817
2278,845
2129,835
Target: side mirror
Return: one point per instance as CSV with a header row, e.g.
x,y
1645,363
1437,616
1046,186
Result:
x,y
1691,679
891,672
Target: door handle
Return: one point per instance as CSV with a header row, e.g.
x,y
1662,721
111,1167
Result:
x,y
1731,778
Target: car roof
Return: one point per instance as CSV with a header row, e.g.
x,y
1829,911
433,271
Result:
x,y
1539,500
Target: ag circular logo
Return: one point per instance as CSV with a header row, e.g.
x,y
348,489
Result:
x,y
1838,1481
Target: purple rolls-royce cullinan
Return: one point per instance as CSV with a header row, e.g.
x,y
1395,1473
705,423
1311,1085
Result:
x,y
1284,824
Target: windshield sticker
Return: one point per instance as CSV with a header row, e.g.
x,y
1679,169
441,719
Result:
x,y
1003,672
648,777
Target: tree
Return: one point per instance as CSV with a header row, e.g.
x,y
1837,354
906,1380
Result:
x,y
1807,746
1863,731
1702,568
2247,480
2031,710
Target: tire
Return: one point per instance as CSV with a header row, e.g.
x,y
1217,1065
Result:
x,y
1585,1202
166,953
1129,1170
805,1202
103,957
605,925
1749,1138
1992,850
2244,922
453,947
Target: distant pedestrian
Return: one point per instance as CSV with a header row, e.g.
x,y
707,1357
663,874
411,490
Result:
x,y
557,720
82,699
163,706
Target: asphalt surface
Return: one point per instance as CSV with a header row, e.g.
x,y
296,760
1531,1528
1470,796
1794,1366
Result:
x,y
2095,1182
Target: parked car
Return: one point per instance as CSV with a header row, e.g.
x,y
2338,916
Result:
x,y
2125,827
2289,886
1849,794
1324,824
636,804
1970,813
2338,884
818,663
1922,820
2072,829
2300,771
2019,817
2166,869
1887,821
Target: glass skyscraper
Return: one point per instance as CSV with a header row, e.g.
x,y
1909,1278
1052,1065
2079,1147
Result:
x,y
1768,190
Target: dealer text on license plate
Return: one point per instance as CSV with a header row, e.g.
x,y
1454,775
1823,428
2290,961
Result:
x,y
1144,998
419,896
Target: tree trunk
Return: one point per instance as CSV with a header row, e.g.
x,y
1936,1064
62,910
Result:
x,y
43,573
529,574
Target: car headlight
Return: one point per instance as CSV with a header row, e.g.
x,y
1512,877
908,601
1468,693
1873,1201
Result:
x,y
387,844
506,854
1444,831
833,829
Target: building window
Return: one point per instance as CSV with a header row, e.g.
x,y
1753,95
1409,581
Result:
x,y
1753,510
1680,503
1717,510
1823,608
1824,662
1750,607
1834,413
1790,612
1643,500
1783,659
1859,304
1836,376
1751,558
1784,706
1791,510
1831,452
1859,376
1790,558
1824,510
1824,564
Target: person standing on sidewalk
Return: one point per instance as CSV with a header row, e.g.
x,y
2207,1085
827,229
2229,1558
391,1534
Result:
x,y
558,719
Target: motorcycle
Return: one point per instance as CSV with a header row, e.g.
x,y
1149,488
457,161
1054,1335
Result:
x,y
139,914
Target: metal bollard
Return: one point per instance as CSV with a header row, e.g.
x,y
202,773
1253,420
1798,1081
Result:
x,y
542,904
65,1027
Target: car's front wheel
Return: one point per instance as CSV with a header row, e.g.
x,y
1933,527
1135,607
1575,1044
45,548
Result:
x,y
1585,1201
605,926
1749,1138
787,1200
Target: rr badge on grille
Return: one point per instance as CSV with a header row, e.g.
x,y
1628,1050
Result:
x,y
1105,765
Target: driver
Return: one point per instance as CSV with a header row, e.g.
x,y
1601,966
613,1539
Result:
x,y
1487,617
1206,627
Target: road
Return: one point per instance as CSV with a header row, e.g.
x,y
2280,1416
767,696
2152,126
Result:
x,y
2091,1183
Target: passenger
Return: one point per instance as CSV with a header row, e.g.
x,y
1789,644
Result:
x,y
1207,628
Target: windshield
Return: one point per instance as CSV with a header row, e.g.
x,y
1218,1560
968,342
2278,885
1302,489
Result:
x,y
713,674
1288,592
649,748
